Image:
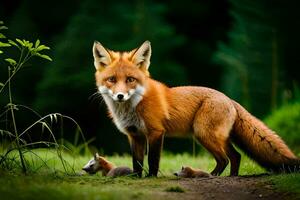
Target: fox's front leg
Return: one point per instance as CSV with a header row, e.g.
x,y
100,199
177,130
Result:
x,y
137,144
155,140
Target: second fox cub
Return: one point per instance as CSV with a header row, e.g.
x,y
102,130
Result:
x,y
99,163
147,110
189,172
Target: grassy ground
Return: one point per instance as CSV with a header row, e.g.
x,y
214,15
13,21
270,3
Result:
x,y
48,179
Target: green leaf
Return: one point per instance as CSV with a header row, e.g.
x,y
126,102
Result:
x,y
11,61
42,47
46,57
25,42
3,44
29,45
1,22
43,56
37,43
1,84
2,36
20,42
13,43
3,27
1,51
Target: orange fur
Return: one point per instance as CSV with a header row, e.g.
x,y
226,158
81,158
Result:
x,y
189,172
105,166
262,144
109,169
214,119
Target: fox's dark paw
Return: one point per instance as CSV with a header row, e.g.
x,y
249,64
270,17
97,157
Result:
x,y
151,176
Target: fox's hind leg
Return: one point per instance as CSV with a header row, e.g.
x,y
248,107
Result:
x,y
217,149
235,159
212,126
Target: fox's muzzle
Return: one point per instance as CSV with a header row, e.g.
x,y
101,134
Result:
x,y
120,97
89,170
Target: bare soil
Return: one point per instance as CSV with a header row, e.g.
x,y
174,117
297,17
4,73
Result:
x,y
233,188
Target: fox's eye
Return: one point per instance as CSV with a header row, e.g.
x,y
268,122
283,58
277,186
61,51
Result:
x,y
111,79
130,79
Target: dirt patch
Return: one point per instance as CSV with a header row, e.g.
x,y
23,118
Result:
x,y
233,188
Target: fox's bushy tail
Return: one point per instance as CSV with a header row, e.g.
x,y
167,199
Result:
x,y
262,144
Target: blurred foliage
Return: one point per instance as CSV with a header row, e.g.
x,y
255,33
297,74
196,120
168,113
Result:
x,y
285,122
255,64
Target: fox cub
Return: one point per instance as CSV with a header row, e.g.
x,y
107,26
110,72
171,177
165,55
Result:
x,y
99,163
189,172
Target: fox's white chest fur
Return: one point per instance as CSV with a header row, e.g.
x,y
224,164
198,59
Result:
x,y
125,116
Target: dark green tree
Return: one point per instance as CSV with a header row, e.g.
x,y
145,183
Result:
x,y
248,56
255,59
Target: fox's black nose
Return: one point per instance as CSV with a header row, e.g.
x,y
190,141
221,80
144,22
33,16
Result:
x,y
176,174
120,96
85,169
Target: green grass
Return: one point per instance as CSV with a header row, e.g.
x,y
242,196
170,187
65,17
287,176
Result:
x,y
47,160
48,179
75,187
175,189
287,182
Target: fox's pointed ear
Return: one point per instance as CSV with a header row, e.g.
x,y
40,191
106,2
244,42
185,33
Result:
x,y
96,156
101,56
141,56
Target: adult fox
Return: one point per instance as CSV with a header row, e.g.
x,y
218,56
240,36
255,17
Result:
x,y
147,110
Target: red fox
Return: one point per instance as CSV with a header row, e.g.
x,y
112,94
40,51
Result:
x,y
99,163
189,172
147,110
